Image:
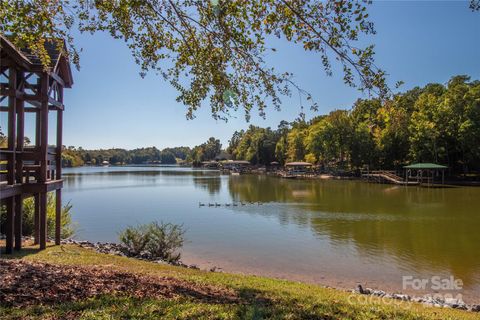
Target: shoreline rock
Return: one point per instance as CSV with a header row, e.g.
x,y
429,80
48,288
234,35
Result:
x,y
120,250
426,299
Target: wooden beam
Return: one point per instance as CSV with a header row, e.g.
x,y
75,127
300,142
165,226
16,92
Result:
x,y
33,188
16,56
34,109
7,62
57,78
55,103
11,92
9,191
33,97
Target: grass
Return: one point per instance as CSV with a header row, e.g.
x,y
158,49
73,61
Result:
x,y
259,297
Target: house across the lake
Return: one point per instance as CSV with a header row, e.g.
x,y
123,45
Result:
x,y
211,164
298,168
236,165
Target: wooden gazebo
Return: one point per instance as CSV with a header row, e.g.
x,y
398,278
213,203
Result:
x,y
31,170
424,171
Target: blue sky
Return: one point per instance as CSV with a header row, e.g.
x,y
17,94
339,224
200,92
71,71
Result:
x,y
110,105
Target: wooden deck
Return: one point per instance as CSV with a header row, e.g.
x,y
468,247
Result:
x,y
387,177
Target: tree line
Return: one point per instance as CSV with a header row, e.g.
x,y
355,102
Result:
x,y
72,157
435,123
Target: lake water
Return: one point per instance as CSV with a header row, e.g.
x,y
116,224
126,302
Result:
x,y
332,232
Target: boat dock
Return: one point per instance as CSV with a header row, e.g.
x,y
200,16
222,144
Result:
x,y
382,176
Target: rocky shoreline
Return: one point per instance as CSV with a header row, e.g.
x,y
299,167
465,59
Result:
x,y
120,250
426,299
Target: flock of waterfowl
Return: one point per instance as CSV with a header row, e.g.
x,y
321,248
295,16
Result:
x,y
234,204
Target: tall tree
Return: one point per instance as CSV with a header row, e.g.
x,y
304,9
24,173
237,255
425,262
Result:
x,y
234,142
210,50
211,148
296,144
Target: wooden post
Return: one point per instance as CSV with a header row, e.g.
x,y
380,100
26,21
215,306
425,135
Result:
x,y
9,225
44,158
19,166
36,233
20,132
18,222
43,220
37,129
44,128
12,130
37,143
58,170
59,136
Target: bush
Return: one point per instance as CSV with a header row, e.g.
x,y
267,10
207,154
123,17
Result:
x,y
160,240
135,238
68,228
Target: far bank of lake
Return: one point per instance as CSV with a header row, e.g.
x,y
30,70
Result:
x,y
332,232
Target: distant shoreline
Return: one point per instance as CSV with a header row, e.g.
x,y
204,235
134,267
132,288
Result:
x,y
322,176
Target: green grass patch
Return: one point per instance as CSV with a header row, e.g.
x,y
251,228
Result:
x,y
259,297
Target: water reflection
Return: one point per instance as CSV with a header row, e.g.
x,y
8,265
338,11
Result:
x,y
307,227
424,229
211,183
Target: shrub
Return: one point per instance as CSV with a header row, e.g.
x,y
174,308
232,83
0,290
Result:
x,y
165,240
160,240
68,228
135,238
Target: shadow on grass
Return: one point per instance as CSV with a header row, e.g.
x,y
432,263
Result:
x,y
40,290
33,283
125,307
68,292
18,254
255,307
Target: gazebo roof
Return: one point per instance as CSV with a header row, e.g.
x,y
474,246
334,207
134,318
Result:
x,y
58,58
298,164
425,166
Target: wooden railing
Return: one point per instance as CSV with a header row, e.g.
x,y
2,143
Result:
x,y
31,164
